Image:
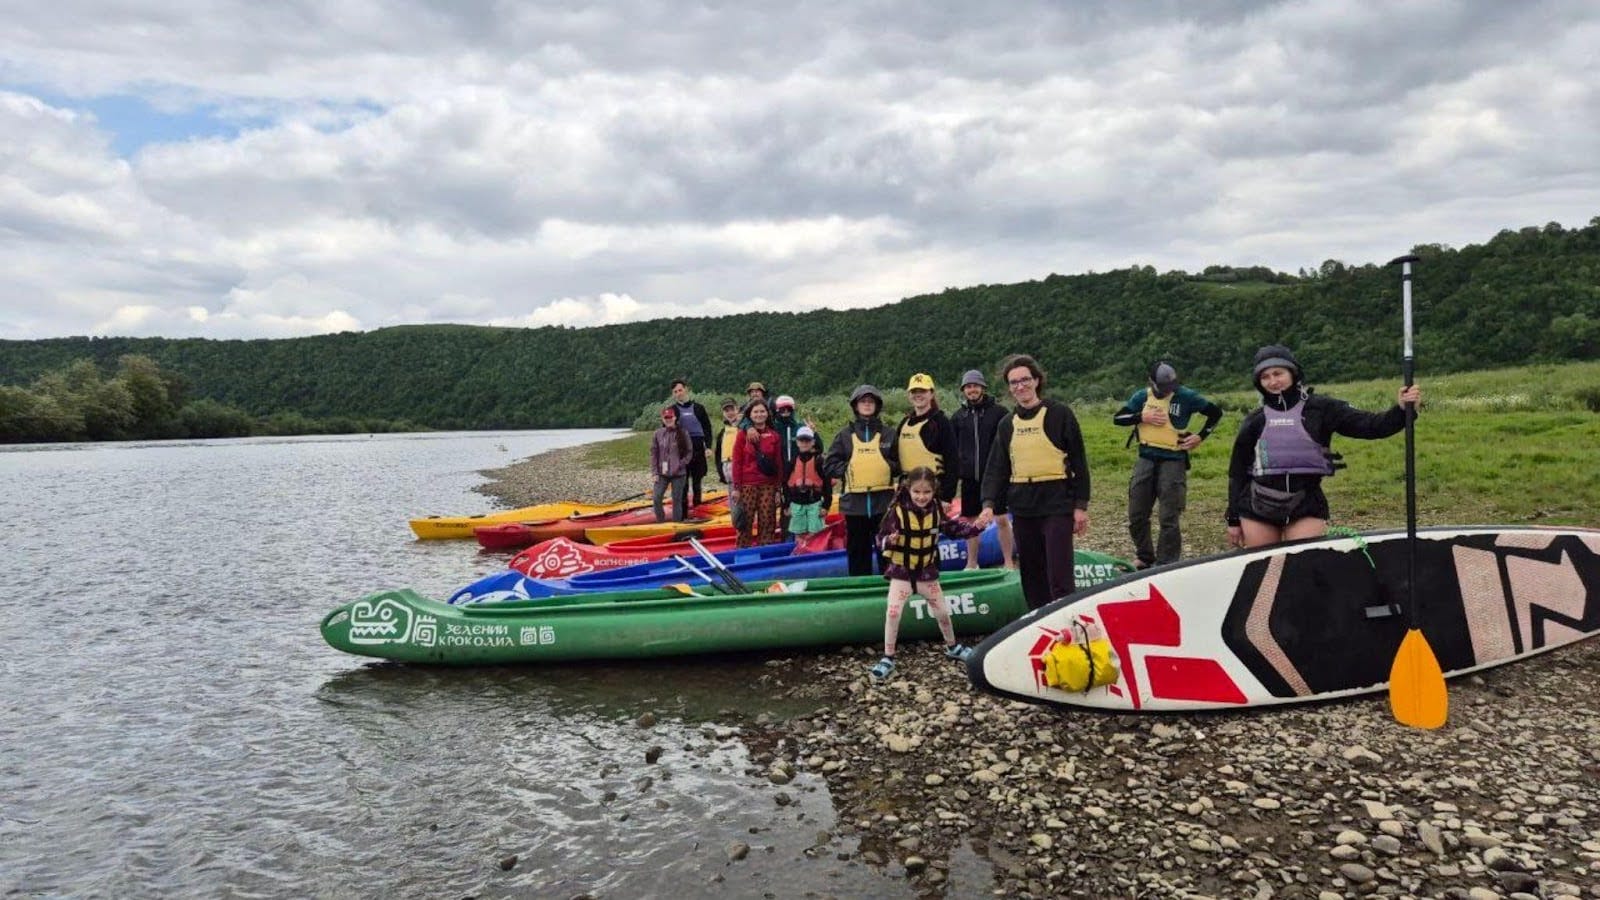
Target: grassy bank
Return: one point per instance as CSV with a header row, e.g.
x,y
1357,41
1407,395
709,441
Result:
x,y
1508,446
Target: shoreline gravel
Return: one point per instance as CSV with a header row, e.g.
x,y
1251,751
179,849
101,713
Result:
x,y
1326,801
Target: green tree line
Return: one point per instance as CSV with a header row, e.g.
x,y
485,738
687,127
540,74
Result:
x,y
1529,295
140,401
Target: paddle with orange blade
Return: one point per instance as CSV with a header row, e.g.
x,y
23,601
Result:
x,y
1416,683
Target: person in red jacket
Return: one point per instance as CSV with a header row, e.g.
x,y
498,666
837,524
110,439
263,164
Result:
x,y
758,476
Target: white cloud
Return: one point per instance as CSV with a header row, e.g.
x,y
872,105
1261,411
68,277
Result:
x,y
529,165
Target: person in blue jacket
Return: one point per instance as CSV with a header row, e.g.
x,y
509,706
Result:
x,y
1160,415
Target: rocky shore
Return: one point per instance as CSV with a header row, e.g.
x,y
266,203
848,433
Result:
x,y
1328,801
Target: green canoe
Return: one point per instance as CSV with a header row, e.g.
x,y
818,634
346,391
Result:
x,y
403,625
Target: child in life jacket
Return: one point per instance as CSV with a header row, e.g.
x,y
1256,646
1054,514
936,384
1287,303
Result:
x,y
806,490
909,538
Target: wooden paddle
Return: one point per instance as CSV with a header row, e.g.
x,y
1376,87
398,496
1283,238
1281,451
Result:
x,y
1416,683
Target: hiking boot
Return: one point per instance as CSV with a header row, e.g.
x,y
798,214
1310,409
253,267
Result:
x,y
883,669
958,651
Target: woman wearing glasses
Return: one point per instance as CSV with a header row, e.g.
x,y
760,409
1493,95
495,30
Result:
x,y
1039,473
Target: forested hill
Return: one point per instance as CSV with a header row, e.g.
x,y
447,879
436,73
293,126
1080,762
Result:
x,y
1526,295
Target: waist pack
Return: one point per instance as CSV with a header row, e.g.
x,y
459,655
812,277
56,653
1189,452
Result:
x,y
1273,504
766,464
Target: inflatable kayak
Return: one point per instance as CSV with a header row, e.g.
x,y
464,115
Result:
x,y
559,557
403,625
773,562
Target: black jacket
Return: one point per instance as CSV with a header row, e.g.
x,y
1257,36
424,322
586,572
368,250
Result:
x,y
837,463
1039,498
975,425
1323,418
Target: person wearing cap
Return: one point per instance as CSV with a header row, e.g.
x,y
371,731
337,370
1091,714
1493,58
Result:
x,y
1038,471
862,458
669,464
695,422
1159,415
807,490
787,426
974,424
723,450
753,391
925,436
1284,450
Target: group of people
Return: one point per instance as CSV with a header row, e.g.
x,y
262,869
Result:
x,y
1024,470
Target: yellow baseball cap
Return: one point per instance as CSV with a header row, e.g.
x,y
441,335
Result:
x,y
921,381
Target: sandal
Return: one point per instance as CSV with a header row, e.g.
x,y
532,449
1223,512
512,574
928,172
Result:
x,y
883,669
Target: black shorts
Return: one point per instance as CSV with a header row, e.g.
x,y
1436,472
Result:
x,y
1314,505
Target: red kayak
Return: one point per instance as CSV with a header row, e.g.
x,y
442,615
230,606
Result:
x,y
560,557
516,535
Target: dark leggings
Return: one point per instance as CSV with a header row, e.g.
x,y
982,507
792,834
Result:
x,y
1044,554
860,533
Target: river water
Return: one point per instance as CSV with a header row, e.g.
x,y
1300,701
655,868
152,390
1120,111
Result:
x,y
172,724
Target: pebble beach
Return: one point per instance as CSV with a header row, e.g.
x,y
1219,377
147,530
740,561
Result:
x,y
1325,801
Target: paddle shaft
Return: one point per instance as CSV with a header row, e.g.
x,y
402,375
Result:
x,y
1408,366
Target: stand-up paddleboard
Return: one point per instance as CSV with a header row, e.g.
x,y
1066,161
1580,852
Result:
x,y
1307,620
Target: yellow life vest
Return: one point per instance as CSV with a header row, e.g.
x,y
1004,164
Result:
x,y
868,470
727,445
917,544
1163,437
1033,456
913,452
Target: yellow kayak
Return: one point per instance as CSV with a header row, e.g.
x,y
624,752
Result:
x,y
435,528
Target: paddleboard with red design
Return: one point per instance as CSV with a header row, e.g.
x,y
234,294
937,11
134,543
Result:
x,y
1307,620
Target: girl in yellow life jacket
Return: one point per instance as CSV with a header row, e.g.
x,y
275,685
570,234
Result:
x,y
909,538
926,438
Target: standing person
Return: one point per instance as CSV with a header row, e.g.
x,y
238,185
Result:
x,y
724,446
807,491
695,422
1284,450
862,458
669,463
1160,416
785,424
753,391
925,437
1039,472
757,477
909,536
975,423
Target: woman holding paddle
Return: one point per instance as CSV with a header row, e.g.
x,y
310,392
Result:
x,y
1283,452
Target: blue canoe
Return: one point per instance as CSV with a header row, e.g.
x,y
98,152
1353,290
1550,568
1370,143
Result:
x,y
774,562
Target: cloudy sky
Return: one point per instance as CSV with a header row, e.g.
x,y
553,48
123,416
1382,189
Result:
x,y
234,168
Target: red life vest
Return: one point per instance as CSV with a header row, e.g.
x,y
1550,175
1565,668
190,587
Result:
x,y
804,474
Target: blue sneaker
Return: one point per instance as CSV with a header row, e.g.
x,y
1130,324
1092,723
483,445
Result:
x,y
883,669
958,651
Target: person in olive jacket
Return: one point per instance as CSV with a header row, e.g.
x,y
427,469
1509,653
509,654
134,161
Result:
x,y
975,423
863,463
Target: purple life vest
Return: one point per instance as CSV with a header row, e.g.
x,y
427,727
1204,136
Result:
x,y
1285,448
